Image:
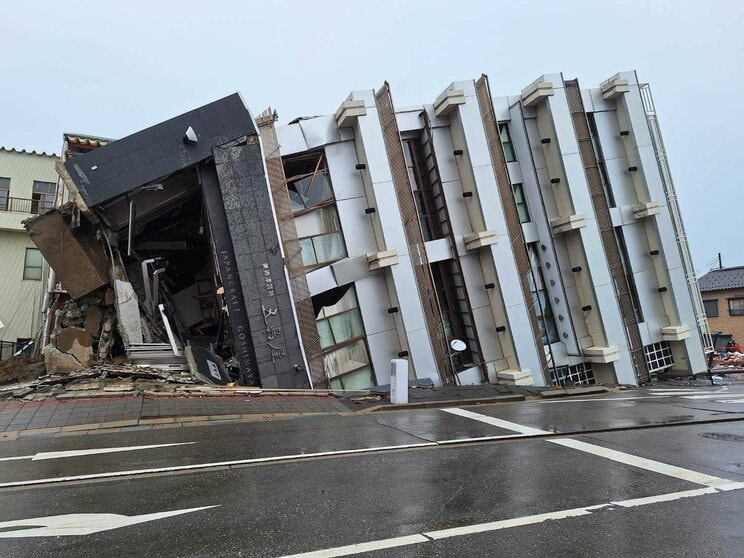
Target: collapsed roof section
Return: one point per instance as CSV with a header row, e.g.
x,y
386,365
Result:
x,y
178,220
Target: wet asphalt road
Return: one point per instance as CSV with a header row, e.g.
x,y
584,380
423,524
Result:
x,y
441,498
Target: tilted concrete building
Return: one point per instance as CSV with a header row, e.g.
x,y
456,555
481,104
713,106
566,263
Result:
x,y
27,187
541,230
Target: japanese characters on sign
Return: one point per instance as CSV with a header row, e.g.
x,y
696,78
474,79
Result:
x,y
273,332
267,279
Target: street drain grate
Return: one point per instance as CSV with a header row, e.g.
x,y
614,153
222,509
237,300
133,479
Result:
x,y
726,437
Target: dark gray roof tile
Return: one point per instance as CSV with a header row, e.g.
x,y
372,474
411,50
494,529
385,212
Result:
x,y
722,279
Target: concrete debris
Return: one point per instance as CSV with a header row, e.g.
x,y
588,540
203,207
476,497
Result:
x,y
206,366
76,342
131,381
76,256
59,361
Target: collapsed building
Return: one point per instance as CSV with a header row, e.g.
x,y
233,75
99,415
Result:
x,y
532,239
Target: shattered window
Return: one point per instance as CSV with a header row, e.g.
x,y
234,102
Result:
x,y
309,192
32,264
308,182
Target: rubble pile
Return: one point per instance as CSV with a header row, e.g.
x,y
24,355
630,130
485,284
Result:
x,y
21,369
82,332
126,380
733,360
109,380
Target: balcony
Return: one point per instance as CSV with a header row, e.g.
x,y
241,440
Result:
x,y
23,205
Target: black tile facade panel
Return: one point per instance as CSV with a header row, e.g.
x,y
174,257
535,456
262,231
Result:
x,y
273,331
116,168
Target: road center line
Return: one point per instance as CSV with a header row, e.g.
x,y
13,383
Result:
x,y
614,455
422,538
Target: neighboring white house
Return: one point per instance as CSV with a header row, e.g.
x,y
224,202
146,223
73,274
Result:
x,y
28,182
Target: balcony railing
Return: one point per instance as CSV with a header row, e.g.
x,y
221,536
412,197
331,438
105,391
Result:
x,y
22,205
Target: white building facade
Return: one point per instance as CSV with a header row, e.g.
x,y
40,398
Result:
x,y
541,229
28,183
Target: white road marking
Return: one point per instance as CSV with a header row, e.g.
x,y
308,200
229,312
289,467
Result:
x,y
713,396
212,465
642,463
614,455
422,538
672,390
585,399
81,523
493,421
78,453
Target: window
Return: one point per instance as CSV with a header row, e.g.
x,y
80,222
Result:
x,y
308,182
32,264
522,209
658,356
736,306
711,308
4,193
43,196
345,356
577,375
541,300
325,246
506,142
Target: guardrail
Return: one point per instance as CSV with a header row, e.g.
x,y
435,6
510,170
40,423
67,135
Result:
x,y
21,205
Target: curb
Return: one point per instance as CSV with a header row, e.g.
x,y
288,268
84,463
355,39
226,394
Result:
x,y
572,392
444,404
149,424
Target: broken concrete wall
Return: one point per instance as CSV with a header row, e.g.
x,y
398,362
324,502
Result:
x,y
77,257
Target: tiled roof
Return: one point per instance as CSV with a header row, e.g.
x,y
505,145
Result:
x,y
24,152
722,279
85,139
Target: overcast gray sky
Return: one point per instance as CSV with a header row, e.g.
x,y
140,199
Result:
x,y
110,68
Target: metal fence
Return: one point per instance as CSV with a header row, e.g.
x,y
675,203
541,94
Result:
x,y
21,205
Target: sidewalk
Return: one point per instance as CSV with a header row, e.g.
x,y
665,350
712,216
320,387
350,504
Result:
x,y
54,416
17,416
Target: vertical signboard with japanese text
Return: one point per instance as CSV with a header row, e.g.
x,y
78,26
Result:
x,y
260,266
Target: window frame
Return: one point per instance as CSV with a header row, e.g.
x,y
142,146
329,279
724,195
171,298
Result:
x,y
521,205
27,267
705,307
736,311
505,130
5,187
43,200
360,339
